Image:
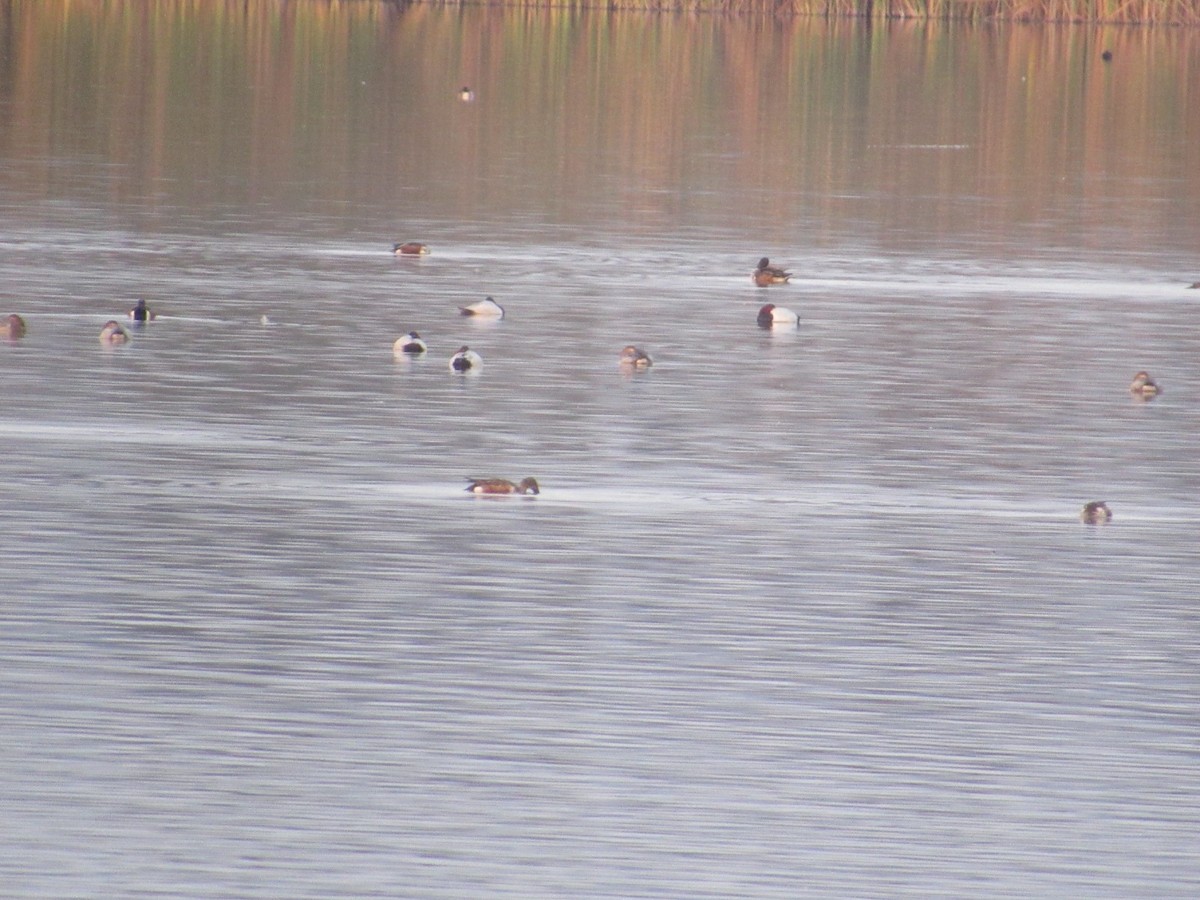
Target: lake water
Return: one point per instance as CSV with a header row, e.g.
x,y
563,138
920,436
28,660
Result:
x,y
805,614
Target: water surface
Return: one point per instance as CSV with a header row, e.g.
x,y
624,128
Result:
x,y
796,614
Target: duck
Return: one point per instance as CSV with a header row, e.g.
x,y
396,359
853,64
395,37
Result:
x,y
410,248
1096,513
486,308
1194,285
634,358
142,313
1144,386
411,343
767,274
113,332
772,316
502,486
13,327
466,95
465,359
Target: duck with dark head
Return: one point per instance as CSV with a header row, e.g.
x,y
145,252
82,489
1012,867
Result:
x,y
141,313
634,358
465,360
772,316
766,274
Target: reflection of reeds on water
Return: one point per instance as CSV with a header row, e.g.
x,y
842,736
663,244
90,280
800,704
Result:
x,y
1003,110
1142,12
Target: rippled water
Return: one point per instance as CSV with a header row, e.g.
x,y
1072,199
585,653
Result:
x,y
805,614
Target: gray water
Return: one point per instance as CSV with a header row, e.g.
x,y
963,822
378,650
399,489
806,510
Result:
x,y
795,614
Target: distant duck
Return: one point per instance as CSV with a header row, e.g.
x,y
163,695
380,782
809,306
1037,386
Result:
x,y
411,344
1106,56
633,358
767,274
142,313
502,486
1096,513
772,316
1194,285
1144,386
466,95
410,248
465,360
113,332
13,327
484,309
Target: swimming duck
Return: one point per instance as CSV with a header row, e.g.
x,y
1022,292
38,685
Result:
x,y
466,95
410,248
633,358
1144,386
113,332
768,274
1096,513
1194,284
13,327
772,316
486,309
142,313
502,486
411,343
465,359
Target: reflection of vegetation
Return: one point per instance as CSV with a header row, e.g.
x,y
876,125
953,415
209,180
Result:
x,y
357,102
1108,11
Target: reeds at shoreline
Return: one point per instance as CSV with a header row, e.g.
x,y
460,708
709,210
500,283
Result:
x,y
1118,12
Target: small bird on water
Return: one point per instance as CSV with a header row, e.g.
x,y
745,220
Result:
x,y
633,358
411,343
113,332
13,327
767,274
410,248
465,360
772,316
142,313
502,486
1144,386
487,308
